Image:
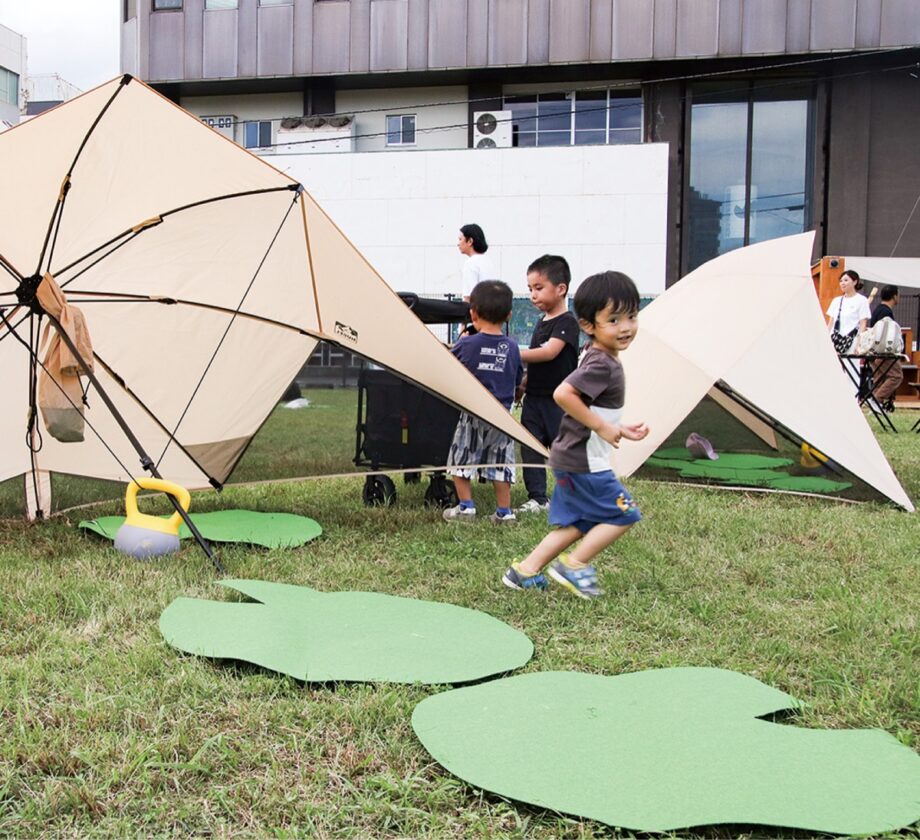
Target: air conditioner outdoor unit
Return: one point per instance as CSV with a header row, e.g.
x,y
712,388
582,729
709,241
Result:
x,y
492,129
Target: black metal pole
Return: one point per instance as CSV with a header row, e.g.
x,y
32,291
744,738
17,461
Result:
x,y
146,461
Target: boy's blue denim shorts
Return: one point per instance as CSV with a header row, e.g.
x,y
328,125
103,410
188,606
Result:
x,y
588,499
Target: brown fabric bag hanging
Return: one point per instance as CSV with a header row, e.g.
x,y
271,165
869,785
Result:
x,y
60,395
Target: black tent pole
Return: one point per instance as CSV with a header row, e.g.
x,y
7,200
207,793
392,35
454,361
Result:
x,y
146,461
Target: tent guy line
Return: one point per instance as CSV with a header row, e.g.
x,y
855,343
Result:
x,y
230,323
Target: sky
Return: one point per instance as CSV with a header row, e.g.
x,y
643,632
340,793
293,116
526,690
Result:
x,y
76,39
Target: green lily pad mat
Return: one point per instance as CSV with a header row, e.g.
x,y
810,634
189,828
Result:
x,y
356,636
809,484
666,749
272,530
743,468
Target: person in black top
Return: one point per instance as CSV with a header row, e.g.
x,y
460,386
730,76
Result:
x,y
552,356
892,374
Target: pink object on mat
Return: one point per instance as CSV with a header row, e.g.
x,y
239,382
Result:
x,y
700,447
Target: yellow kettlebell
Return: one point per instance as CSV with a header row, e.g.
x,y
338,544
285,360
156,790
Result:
x,y
143,535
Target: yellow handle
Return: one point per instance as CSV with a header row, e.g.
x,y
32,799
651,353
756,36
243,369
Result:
x,y
180,493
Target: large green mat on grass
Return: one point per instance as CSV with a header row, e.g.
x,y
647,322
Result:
x,y
272,530
355,636
666,749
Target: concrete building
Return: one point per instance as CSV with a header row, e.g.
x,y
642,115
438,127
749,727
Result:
x,y
46,90
12,74
778,115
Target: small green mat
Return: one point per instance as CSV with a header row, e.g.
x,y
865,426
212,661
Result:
x,y
271,530
668,749
356,636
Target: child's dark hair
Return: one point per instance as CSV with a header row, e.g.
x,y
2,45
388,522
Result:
x,y
856,278
474,232
492,301
554,268
596,291
888,292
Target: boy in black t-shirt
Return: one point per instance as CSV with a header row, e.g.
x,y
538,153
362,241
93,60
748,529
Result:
x,y
552,356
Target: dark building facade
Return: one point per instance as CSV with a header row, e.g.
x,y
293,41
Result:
x,y
780,115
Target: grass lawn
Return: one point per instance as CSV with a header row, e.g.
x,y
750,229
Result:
x,y
105,730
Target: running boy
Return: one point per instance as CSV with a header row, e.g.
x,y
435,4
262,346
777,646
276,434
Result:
x,y
495,361
589,503
552,356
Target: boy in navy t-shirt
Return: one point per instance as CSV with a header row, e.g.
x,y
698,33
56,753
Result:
x,y
551,357
494,359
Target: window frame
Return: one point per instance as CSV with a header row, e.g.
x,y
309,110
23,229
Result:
x,y
259,129
749,93
15,90
154,6
611,97
402,130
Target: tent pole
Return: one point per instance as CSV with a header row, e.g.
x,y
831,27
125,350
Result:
x,y
146,461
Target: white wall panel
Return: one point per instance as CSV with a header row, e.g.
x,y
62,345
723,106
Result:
x,y
601,207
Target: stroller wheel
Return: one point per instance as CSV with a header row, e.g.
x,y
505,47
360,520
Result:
x,y
379,491
441,493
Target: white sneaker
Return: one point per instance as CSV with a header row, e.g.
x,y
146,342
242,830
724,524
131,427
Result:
x,y
503,518
459,514
532,506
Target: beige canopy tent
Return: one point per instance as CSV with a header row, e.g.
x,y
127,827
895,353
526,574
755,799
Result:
x,y
745,332
896,271
206,278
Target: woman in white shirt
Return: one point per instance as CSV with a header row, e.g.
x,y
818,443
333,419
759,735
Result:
x,y
851,308
472,243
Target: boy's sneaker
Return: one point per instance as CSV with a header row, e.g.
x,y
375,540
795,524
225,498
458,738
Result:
x,y
581,582
533,506
458,513
503,518
514,578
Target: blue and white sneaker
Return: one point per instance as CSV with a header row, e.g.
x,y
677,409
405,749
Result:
x,y
581,581
458,513
514,578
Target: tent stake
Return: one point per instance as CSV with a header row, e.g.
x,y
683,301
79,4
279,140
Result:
x,y
146,461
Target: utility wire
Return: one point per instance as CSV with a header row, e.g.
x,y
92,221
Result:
x,y
630,84
718,98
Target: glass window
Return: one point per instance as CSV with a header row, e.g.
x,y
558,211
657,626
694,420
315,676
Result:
x,y
276,2
160,5
257,135
401,130
575,117
9,87
130,9
221,4
749,169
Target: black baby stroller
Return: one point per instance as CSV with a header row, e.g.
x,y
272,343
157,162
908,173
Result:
x,y
401,426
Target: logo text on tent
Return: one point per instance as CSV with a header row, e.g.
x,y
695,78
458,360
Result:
x,y
346,332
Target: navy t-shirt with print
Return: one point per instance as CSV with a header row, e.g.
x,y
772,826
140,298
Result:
x,y
494,360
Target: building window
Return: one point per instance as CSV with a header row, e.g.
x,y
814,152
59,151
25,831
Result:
x,y
257,135
130,9
9,87
575,118
165,5
221,4
751,164
401,130
276,2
